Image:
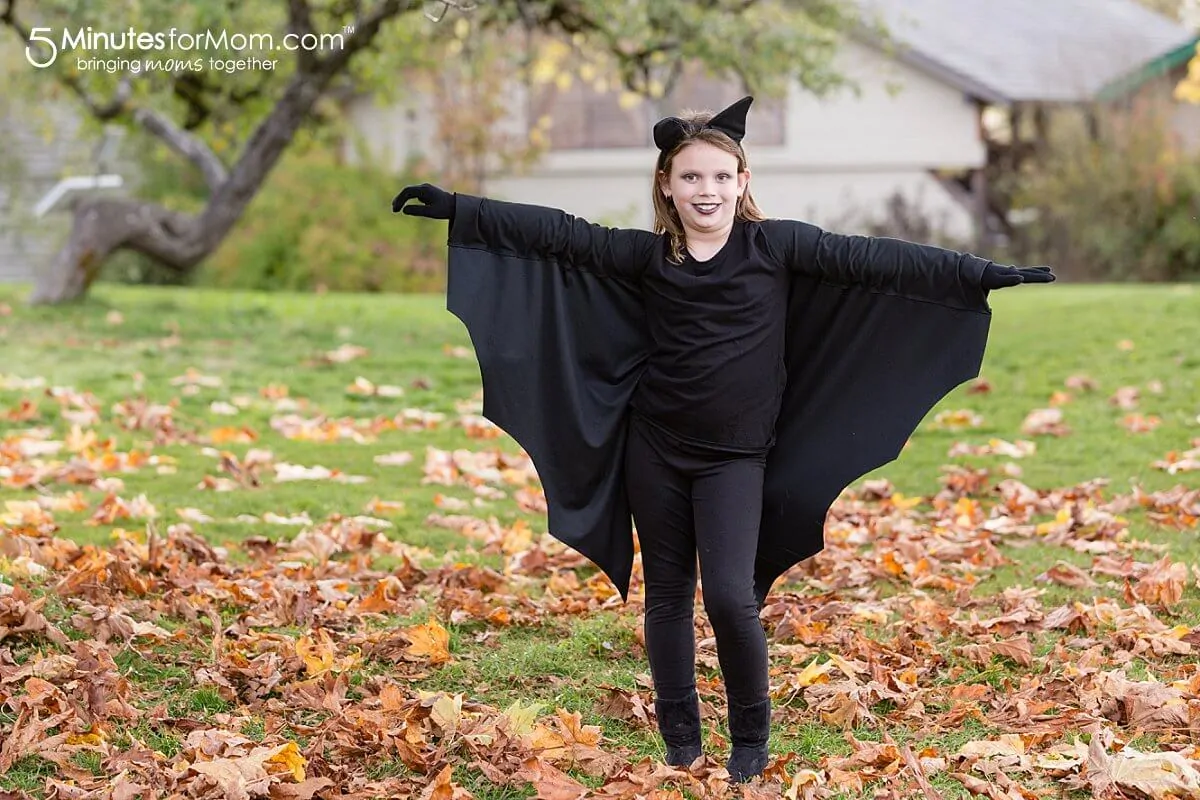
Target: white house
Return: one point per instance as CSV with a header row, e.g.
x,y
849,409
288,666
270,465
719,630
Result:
x,y
917,128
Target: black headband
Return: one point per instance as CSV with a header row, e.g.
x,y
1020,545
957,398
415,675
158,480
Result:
x,y
671,131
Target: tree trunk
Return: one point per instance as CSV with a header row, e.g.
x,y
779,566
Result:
x,y
69,274
104,225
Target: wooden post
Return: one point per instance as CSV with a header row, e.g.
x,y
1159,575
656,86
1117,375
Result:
x,y
979,184
979,190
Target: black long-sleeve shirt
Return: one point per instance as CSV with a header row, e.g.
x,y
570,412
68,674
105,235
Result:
x,y
716,373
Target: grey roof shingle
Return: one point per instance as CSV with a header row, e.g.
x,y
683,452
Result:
x,y
1029,50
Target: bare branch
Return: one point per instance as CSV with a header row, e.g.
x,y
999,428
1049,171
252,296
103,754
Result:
x,y
184,143
449,4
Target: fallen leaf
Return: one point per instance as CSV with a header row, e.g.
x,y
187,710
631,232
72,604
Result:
x,y
1137,423
429,640
1125,398
1044,422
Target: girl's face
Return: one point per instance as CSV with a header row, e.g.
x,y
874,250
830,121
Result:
x,y
705,185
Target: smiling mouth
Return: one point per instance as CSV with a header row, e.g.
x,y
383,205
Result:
x,y
706,208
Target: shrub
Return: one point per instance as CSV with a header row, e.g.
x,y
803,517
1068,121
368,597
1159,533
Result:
x,y
1117,205
318,224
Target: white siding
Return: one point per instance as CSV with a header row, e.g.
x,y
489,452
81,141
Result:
x,y
391,134
922,123
37,147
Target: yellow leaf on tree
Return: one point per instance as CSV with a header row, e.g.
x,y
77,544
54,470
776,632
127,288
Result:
x,y
548,61
629,100
1188,90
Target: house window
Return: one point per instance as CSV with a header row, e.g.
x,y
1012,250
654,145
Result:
x,y
585,116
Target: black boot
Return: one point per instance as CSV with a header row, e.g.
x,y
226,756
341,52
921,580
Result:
x,y
679,725
749,729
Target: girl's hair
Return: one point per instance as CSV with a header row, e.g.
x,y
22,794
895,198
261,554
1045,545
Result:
x,y
666,217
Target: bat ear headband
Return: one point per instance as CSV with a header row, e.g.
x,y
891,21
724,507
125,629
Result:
x,y
671,131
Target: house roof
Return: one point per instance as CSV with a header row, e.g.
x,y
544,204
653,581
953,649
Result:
x,y
1006,51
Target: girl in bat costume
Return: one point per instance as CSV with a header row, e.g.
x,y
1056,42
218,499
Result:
x,y
685,426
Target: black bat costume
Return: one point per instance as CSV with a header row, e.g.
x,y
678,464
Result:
x,y
853,339
755,385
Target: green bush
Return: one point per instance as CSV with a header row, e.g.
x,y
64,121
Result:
x,y
1120,204
320,225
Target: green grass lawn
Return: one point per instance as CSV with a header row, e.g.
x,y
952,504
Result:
x,y
554,636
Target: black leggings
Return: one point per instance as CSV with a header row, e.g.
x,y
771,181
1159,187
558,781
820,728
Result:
x,y
686,500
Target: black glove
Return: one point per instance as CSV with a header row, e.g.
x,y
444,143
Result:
x,y
998,277
438,203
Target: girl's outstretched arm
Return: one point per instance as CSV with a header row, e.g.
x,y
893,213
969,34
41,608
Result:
x,y
535,231
891,265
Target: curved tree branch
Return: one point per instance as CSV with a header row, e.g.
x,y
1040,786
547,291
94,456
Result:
x,y
184,143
